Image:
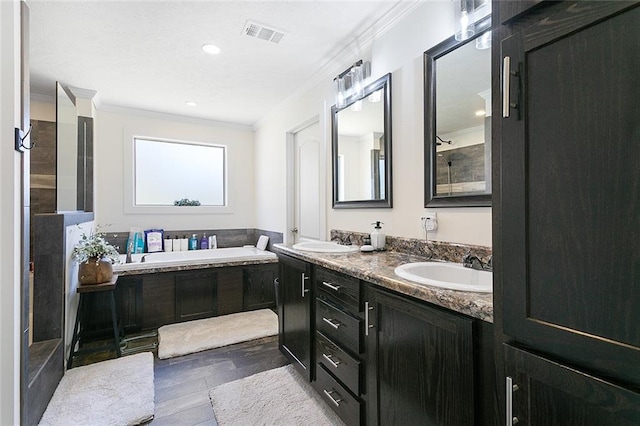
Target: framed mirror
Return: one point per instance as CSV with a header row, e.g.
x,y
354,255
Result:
x,y
361,149
458,121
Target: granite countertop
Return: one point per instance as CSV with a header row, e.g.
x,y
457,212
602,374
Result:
x,y
193,265
378,268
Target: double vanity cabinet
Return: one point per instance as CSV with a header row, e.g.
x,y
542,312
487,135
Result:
x,y
378,357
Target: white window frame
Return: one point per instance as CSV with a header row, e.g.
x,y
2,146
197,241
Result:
x,y
130,206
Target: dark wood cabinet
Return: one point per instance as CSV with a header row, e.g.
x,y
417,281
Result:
x,y
196,295
551,393
570,214
129,303
294,313
510,9
420,363
259,292
338,342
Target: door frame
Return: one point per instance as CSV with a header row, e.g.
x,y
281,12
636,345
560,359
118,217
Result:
x,y
321,119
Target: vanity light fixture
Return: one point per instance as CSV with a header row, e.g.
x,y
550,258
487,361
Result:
x,y
464,19
484,41
375,96
480,113
350,83
211,49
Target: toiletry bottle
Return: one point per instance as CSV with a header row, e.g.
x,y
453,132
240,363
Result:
x,y
378,238
176,243
193,242
184,243
204,242
168,244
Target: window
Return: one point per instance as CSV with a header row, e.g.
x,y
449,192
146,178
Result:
x,y
168,171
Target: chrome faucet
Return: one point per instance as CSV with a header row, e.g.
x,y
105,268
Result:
x,y
129,250
474,262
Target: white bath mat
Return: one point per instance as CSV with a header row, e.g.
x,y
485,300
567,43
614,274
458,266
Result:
x,y
200,335
274,397
114,392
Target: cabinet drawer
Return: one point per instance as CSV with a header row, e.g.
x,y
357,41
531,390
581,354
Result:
x,y
342,289
338,362
337,397
338,326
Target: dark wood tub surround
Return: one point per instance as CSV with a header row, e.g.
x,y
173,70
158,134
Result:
x,y
150,298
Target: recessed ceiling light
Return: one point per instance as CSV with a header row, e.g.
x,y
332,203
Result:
x,y
190,103
211,49
480,113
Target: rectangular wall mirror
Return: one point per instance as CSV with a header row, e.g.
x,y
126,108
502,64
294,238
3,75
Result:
x,y
361,148
458,121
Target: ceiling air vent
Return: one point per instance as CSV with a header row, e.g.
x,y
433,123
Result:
x,y
256,30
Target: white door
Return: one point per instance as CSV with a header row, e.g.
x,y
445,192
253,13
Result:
x,y
306,180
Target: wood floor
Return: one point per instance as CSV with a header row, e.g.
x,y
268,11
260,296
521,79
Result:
x,y
182,384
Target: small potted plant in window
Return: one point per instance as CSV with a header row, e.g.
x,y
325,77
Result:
x,y
95,257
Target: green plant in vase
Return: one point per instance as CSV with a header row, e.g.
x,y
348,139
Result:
x,y
95,256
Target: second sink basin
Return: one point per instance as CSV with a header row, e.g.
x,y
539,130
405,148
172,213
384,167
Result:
x,y
452,276
325,247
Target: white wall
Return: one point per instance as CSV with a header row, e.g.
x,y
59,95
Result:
x,y
111,128
399,51
10,214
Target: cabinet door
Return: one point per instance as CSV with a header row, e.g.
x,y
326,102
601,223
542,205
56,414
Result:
x,y
548,393
570,204
509,9
129,303
259,292
420,363
195,295
294,313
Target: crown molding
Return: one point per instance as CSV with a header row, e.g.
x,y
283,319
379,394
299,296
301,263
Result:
x,y
116,109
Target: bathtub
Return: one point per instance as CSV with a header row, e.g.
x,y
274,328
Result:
x,y
241,255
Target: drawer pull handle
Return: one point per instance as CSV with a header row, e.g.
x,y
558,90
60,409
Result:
x,y
304,278
329,358
334,400
333,323
331,286
511,388
367,324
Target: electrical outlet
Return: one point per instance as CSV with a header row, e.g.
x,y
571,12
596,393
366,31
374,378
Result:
x,y
430,222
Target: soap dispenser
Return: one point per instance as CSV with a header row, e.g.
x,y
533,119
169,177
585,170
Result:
x,y
378,238
193,242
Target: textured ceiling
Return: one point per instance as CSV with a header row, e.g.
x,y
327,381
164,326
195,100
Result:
x,y
147,54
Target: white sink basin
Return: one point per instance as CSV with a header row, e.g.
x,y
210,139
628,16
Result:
x,y
452,276
325,247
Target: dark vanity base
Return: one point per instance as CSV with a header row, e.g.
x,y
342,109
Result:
x,y
149,301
